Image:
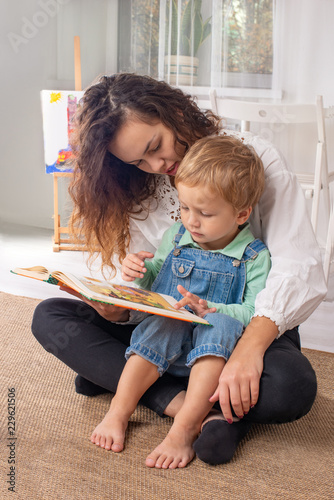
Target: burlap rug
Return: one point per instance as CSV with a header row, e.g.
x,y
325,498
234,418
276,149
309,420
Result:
x,y
52,458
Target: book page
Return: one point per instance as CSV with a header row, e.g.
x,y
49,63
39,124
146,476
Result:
x,y
37,272
128,297
109,293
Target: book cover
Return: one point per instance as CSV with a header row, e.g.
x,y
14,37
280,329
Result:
x,y
111,293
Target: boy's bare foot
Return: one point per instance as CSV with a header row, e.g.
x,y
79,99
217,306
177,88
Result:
x,y
175,450
110,433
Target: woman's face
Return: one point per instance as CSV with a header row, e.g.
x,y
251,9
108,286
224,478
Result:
x,y
150,147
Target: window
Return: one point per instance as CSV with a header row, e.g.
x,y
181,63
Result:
x,y
247,38
237,50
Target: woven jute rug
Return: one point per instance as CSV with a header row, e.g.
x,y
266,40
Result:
x,y
48,455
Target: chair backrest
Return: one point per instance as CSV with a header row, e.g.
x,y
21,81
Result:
x,y
270,113
203,101
275,114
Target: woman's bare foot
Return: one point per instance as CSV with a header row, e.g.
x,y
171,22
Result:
x,y
175,450
110,433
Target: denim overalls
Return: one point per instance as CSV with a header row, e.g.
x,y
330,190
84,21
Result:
x,y
175,345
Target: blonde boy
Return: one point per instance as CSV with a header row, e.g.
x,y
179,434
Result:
x,y
214,266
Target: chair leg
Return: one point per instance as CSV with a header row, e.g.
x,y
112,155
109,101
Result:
x,y
317,187
325,188
329,247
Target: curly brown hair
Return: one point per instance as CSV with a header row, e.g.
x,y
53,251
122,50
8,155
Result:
x,y
105,194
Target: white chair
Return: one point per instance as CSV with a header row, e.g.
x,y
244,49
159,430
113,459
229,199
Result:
x,y
329,250
204,102
276,115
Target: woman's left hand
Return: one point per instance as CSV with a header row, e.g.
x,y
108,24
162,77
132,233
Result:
x,y
239,382
107,311
199,306
238,385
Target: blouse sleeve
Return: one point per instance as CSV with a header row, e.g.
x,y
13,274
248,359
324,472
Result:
x,y
295,285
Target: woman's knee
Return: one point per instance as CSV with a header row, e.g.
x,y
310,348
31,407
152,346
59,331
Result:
x,y
41,317
288,387
53,323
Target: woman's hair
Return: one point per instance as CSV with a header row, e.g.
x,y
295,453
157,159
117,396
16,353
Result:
x,y
106,192
228,167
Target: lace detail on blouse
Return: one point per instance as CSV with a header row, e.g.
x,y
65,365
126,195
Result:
x,y
167,198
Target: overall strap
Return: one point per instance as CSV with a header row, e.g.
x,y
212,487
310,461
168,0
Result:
x,y
253,249
179,235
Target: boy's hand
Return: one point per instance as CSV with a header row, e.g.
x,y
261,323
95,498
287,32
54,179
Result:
x,y
199,306
133,265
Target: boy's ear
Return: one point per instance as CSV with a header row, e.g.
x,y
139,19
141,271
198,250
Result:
x,y
243,216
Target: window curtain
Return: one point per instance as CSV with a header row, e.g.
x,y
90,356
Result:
x,y
306,38
304,68
231,39
130,35
133,35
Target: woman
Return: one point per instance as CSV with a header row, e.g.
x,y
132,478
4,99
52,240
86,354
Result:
x,y
131,134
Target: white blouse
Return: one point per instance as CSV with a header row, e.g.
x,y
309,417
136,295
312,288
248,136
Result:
x,y
296,283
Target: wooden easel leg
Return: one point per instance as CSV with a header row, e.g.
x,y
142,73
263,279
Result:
x,y
60,243
56,216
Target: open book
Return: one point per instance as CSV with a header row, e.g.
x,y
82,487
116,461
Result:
x,y
109,293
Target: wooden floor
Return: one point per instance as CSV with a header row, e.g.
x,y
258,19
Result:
x,y
22,246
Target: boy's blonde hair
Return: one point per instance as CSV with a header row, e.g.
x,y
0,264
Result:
x,y
227,166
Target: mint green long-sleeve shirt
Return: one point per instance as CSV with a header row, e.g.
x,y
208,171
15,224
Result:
x,y
256,270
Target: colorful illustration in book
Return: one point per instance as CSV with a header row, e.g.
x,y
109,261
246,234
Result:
x,y
137,295
58,110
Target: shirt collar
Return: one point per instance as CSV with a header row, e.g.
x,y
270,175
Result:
x,y
235,249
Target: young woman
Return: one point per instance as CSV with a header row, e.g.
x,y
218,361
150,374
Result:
x,y
131,134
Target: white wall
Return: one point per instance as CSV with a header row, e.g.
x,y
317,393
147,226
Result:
x,y
25,191
33,43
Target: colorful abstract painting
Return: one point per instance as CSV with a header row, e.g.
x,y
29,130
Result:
x,y
58,109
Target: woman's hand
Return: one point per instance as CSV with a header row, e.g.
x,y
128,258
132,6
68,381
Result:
x,y
107,311
133,265
199,306
239,382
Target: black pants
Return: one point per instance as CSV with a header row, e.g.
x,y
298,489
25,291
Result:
x,y
94,348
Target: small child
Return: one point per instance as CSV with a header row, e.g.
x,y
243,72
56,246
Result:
x,y
213,265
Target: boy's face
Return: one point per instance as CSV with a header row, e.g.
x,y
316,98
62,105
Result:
x,y
211,221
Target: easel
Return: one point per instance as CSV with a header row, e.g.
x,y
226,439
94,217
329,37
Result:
x,y
67,243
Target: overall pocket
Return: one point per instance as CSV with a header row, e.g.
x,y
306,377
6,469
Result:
x,y
209,285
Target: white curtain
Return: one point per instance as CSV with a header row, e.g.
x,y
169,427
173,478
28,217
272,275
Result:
x,y
304,63
305,49
303,38
236,50
134,38
305,68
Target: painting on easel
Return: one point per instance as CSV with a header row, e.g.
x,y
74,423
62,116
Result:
x,y
58,109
